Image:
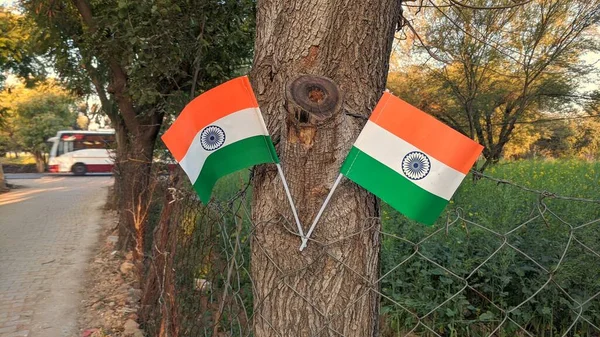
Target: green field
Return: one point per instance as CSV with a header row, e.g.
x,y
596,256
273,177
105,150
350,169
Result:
x,y
536,226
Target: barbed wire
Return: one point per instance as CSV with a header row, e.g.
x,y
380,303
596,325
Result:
x,y
203,283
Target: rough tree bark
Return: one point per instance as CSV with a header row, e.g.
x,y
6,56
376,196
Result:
x,y
135,183
324,290
3,187
40,163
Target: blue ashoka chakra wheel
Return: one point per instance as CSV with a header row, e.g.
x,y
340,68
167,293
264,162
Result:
x,y
212,137
416,165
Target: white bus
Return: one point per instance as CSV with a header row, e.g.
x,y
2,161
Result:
x,y
81,152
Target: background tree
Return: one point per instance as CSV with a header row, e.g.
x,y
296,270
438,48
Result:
x,y
36,114
16,50
16,57
494,68
592,106
3,149
82,121
3,186
145,60
8,139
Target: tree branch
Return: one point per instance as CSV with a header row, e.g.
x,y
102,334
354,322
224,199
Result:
x,y
427,48
462,4
119,76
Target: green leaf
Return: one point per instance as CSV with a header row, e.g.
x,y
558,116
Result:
x,y
486,316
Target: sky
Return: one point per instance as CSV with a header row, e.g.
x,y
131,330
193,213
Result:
x,y
8,3
592,81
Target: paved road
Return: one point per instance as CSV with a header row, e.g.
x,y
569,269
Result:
x,y
18,176
47,230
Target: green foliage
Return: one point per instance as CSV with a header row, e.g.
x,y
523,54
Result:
x,y
421,283
167,42
170,50
34,115
508,278
40,118
16,50
57,34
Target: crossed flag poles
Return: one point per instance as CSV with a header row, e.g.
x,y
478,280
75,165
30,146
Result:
x,y
404,156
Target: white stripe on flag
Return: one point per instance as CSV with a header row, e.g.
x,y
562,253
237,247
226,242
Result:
x,y
237,126
389,149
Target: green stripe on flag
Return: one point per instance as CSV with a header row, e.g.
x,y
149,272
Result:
x,y
233,157
393,188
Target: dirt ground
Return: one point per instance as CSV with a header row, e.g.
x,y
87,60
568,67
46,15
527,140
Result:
x,y
112,294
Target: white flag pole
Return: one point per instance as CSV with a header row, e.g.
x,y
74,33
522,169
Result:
x,y
314,224
289,196
280,170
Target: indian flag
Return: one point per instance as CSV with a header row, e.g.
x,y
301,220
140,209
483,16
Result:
x,y
220,132
409,159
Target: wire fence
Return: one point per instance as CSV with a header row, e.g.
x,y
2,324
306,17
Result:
x,y
522,262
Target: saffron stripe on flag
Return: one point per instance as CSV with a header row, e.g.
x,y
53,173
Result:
x,y
426,133
389,150
230,97
233,157
406,197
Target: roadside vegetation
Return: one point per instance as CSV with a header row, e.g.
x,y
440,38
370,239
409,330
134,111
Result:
x,y
506,279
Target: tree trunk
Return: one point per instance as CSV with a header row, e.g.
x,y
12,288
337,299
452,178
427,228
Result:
x,y
326,290
3,187
121,150
110,109
40,163
136,191
138,128
161,276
